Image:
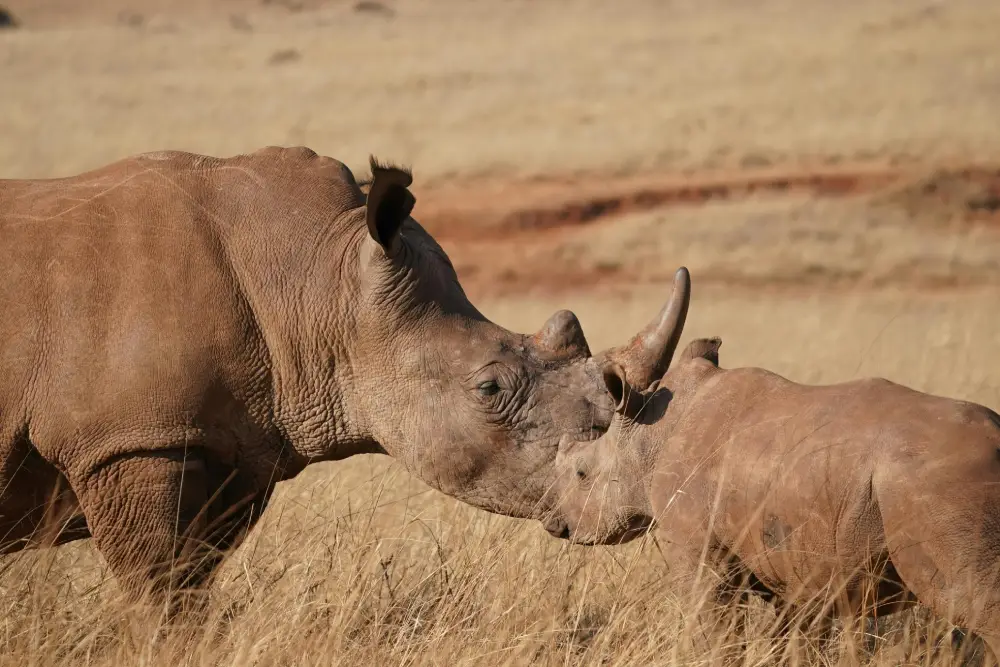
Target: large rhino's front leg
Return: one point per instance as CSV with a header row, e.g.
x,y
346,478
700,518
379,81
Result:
x,y
163,521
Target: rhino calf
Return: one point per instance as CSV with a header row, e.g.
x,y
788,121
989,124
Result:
x,y
860,497
180,332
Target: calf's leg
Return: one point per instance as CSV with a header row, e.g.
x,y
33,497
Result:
x,y
717,582
944,541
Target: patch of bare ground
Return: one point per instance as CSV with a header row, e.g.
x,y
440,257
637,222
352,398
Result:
x,y
504,208
960,195
828,228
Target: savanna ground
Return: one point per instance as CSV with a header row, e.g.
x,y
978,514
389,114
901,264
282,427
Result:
x,y
830,172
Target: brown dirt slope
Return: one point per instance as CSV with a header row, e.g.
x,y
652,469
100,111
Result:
x,y
824,228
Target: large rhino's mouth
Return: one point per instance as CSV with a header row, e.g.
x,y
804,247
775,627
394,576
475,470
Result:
x,y
557,527
635,527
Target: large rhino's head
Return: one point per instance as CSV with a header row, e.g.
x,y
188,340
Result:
x,y
471,408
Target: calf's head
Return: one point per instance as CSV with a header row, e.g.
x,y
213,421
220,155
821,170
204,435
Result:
x,y
600,494
471,408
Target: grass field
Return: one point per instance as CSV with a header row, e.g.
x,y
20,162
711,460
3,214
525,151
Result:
x,y
829,172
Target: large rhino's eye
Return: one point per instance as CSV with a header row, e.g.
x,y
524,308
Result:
x,y
488,388
496,387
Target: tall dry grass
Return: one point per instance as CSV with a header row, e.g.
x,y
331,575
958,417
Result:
x,y
390,573
482,595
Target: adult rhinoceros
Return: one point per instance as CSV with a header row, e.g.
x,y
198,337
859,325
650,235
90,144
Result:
x,y
179,332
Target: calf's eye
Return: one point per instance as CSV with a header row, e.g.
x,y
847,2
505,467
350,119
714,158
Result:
x,y
488,388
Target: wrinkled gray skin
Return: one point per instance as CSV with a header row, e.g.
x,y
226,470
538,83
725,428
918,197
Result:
x,y
181,332
866,487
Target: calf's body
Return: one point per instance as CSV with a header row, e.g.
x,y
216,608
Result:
x,y
860,497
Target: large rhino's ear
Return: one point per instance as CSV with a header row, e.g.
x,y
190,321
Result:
x,y
628,402
389,202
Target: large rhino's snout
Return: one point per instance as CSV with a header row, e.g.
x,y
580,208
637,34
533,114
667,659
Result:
x,y
557,526
570,389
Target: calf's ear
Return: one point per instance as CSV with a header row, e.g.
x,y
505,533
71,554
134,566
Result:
x,y
389,202
706,348
628,402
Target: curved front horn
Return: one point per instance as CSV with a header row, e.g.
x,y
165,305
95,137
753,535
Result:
x,y
647,356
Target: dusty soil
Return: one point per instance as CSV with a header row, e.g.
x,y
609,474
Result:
x,y
830,173
602,232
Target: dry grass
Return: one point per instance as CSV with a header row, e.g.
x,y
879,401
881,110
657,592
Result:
x,y
357,563
320,589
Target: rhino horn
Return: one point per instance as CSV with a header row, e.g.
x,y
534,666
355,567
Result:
x,y
562,338
647,356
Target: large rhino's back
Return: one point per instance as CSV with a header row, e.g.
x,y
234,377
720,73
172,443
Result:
x,y
118,287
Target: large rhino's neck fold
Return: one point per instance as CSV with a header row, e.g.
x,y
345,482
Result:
x,y
302,286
